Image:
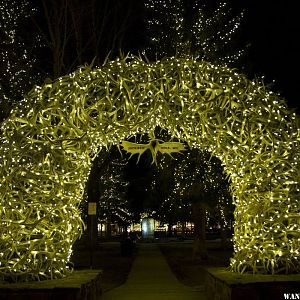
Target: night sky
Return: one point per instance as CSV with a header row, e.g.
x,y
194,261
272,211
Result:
x,y
272,28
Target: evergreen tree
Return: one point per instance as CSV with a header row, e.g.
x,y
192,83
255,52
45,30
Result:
x,y
113,203
107,185
192,187
17,48
192,28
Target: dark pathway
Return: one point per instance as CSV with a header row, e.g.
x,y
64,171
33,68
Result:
x,y
151,279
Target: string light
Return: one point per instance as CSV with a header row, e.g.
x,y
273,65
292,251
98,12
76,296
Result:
x,y
113,204
192,29
51,137
194,176
17,60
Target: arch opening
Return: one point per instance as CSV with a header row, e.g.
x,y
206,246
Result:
x,y
49,141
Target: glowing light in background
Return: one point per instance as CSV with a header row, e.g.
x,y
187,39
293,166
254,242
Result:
x,y
148,228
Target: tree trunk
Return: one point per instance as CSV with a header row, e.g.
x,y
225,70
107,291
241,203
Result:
x,y
108,227
223,234
199,218
183,229
170,230
101,230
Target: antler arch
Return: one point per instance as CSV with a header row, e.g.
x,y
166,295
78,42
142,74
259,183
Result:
x,y
50,139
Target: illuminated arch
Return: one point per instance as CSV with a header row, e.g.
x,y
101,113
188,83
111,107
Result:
x,y
50,139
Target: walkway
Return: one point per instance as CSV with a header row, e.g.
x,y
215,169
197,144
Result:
x,y
151,279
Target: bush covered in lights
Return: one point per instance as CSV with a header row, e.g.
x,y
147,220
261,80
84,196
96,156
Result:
x,y
50,139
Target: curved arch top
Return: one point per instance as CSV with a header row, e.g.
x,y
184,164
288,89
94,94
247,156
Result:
x,y
50,139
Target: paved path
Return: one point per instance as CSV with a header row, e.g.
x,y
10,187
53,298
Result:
x,y
151,279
